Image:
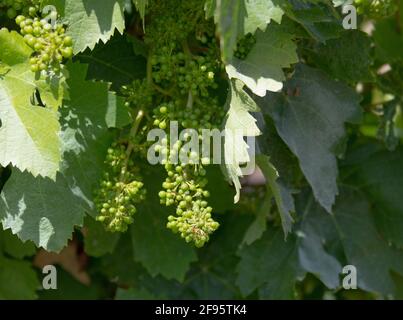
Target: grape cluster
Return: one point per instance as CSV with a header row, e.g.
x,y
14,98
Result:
x,y
50,44
120,190
376,8
26,7
244,46
184,187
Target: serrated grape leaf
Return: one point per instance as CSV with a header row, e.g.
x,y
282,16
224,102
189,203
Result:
x,y
260,13
159,250
39,209
229,17
238,124
14,247
17,280
262,70
284,200
28,134
273,266
114,62
97,240
91,21
45,211
309,116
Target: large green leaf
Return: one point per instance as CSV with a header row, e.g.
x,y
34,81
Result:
x,y
44,211
310,115
260,13
28,134
35,212
324,243
91,21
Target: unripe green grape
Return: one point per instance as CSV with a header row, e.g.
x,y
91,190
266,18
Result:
x,y
11,13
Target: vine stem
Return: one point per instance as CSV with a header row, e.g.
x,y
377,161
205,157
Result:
x,y
132,134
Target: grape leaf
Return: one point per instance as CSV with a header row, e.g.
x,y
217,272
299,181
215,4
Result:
x,y
91,21
260,13
53,90
262,71
273,266
36,213
28,134
310,116
238,124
